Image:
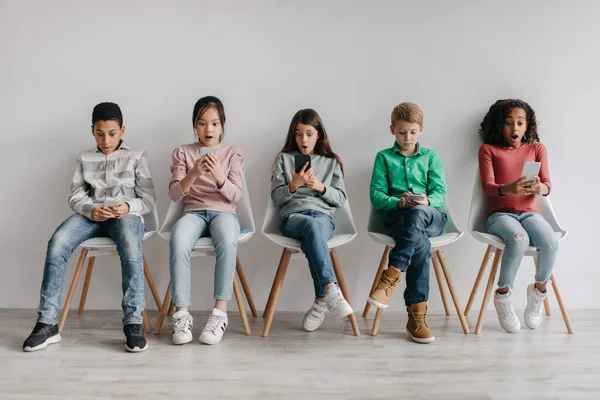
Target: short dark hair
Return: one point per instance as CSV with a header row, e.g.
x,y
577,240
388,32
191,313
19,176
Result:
x,y
107,112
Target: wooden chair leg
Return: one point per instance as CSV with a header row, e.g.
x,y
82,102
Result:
x,y
342,284
484,263
171,310
76,274
377,277
240,303
166,304
244,282
488,291
438,276
145,322
86,284
376,322
563,309
151,285
275,291
448,276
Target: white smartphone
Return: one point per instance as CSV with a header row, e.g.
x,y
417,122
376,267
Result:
x,y
111,203
531,169
206,150
415,197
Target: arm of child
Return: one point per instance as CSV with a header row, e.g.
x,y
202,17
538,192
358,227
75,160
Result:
x,y
232,188
144,188
436,182
544,174
178,172
486,172
280,191
335,193
79,199
379,187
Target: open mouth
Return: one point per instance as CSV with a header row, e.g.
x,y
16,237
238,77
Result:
x,y
514,137
209,137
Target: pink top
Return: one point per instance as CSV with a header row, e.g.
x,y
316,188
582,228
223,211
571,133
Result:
x,y
501,165
204,194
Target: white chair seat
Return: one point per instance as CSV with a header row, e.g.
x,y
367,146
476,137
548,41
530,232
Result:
x,y
294,244
106,243
206,243
497,242
443,240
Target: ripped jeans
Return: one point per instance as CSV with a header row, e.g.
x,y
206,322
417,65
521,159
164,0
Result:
x,y
518,231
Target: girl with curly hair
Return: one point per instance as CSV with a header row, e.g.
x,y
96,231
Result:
x,y
509,134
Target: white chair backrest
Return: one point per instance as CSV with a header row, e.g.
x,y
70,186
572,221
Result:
x,y
342,218
151,223
480,204
376,224
243,211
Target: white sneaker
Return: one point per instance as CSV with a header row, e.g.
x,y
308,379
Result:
x,y
336,304
215,327
315,316
533,311
506,315
182,327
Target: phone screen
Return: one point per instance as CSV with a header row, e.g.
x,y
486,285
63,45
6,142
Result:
x,y
300,160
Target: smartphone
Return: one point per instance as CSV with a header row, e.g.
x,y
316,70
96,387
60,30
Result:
x,y
206,150
415,197
530,170
111,203
300,160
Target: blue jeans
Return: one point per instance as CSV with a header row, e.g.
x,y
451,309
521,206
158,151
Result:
x,y
224,229
127,233
518,231
411,229
313,229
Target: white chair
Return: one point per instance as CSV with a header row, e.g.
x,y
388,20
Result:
x,y
451,234
345,232
204,247
478,215
103,246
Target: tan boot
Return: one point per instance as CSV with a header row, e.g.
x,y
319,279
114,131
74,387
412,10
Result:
x,y
416,326
382,294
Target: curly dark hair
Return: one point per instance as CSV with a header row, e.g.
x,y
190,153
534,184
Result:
x,y
493,122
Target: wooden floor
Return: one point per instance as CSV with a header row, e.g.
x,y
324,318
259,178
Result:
x,y
90,362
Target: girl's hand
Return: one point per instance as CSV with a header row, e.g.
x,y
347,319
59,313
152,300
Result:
x,y
316,184
520,187
300,178
213,166
199,168
100,213
537,187
120,210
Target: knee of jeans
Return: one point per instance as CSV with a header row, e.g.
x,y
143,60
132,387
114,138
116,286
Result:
x,y
417,213
131,245
179,247
548,245
314,226
58,243
518,240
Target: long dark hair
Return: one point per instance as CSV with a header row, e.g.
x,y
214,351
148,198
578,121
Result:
x,y
493,122
308,116
204,104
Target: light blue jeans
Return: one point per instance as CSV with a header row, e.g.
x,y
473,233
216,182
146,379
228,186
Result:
x,y
127,233
224,229
314,229
518,231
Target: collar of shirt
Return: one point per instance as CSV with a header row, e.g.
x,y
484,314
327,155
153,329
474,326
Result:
x,y
396,150
122,146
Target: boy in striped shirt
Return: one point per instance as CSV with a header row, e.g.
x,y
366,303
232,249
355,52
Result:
x,y
111,191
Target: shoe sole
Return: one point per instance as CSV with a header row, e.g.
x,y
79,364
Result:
x,y
307,329
51,340
421,340
377,304
183,342
135,349
532,326
209,342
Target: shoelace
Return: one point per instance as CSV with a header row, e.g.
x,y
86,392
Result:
x,y
182,324
386,283
507,310
214,323
419,318
536,306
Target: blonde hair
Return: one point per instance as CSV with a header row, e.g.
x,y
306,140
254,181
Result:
x,y
408,112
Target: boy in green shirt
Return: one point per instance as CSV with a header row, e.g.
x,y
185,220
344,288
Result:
x,y
408,184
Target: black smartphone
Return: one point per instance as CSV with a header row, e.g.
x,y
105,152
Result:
x,y
300,160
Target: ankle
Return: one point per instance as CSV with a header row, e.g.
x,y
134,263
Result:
x,y
503,290
182,308
221,305
541,287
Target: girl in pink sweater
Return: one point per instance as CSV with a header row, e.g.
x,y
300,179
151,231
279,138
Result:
x,y
509,134
207,176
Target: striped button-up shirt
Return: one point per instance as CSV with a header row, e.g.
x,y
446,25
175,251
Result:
x,y
122,175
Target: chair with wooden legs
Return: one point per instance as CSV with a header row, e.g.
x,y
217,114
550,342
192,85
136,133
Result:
x,y
103,246
477,226
345,232
451,234
204,248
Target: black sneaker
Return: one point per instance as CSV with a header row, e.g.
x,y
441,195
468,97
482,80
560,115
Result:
x,y
134,338
41,337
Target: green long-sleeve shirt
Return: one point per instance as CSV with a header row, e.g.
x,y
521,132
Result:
x,y
394,173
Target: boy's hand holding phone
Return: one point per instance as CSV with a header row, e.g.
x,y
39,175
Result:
x,y
101,213
410,200
121,209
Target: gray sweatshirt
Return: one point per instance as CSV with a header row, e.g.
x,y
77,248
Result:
x,y
327,170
